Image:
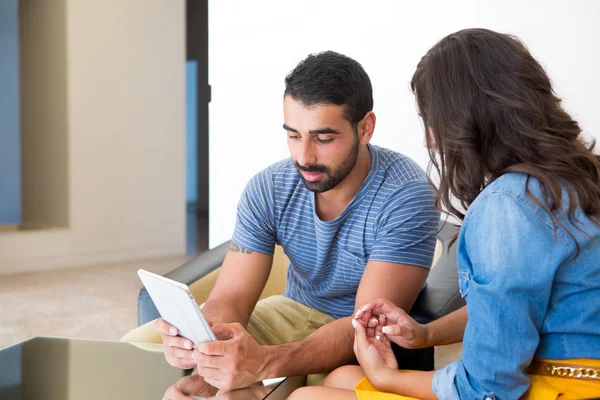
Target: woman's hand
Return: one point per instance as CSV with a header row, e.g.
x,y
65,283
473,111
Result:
x,y
374,353
399,327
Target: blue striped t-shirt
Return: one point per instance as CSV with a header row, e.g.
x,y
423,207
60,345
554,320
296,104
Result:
x,y
392,218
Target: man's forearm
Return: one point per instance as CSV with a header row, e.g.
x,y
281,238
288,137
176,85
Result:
x,y
448,329
326,349
242,278
222,310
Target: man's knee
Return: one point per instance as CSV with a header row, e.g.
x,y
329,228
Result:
x,y
146,333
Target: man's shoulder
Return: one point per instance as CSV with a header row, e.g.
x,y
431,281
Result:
x,y
398,169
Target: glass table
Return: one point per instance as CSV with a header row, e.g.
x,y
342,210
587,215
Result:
x,y
48,368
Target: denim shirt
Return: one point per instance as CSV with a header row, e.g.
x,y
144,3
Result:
x,y
527,296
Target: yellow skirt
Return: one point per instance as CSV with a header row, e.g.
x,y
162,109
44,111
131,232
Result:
x,y
540,387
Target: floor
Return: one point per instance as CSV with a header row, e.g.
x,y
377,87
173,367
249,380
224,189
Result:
x,y
97,302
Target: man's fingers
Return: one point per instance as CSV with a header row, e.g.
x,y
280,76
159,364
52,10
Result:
x,y
203,360
163,327
177,350
209,373
183,363
373,321
176,342
360,336
365,317
370,332
364,309
359,321
378,307
218,348
182,354
379,335
367,307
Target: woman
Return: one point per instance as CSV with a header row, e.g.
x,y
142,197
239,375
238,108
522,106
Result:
x,y
529,247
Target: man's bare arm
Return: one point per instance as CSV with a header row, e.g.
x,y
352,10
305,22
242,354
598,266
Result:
x,y
331,345
241,280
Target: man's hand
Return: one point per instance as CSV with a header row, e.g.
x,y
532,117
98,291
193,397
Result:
x,y
374,353
234,363
400,327
192,385
178,350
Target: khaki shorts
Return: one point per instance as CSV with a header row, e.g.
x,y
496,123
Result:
x,y
275,320
278,319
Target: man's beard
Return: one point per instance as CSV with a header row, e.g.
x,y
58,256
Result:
x,y
333,178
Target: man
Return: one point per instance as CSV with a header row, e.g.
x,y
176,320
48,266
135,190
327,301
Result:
x,y
357,222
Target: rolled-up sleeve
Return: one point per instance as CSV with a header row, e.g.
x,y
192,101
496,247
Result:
x,y
443,382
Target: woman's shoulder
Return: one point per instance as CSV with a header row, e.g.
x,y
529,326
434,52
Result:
x,y
520,197
508,188
512,183
511,196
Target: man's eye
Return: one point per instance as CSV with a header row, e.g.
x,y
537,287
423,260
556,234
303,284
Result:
x,y
293,137
324,141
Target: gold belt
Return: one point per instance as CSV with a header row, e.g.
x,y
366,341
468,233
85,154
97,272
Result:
x,y
564,370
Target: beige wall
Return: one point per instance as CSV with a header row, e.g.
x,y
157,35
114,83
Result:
x,y
125,137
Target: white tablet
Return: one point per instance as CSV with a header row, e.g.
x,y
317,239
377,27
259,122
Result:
x,y
177,306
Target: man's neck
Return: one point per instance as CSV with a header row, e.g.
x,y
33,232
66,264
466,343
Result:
x,y
331,203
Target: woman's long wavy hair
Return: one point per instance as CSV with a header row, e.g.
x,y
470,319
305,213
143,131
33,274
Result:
x,y
488,108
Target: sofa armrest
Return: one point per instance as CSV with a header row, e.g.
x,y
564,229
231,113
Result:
x,y
441,294
188,273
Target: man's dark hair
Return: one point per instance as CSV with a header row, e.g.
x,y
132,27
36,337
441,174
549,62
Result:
x,y
331,78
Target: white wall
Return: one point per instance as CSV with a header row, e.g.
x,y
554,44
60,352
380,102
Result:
x,y
124,63
253,45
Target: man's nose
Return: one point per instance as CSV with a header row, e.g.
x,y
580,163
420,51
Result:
x,y
307,154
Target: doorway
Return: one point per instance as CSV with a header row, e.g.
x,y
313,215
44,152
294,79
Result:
x,y
197,99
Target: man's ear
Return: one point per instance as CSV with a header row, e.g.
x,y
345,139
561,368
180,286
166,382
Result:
x,y
366,127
